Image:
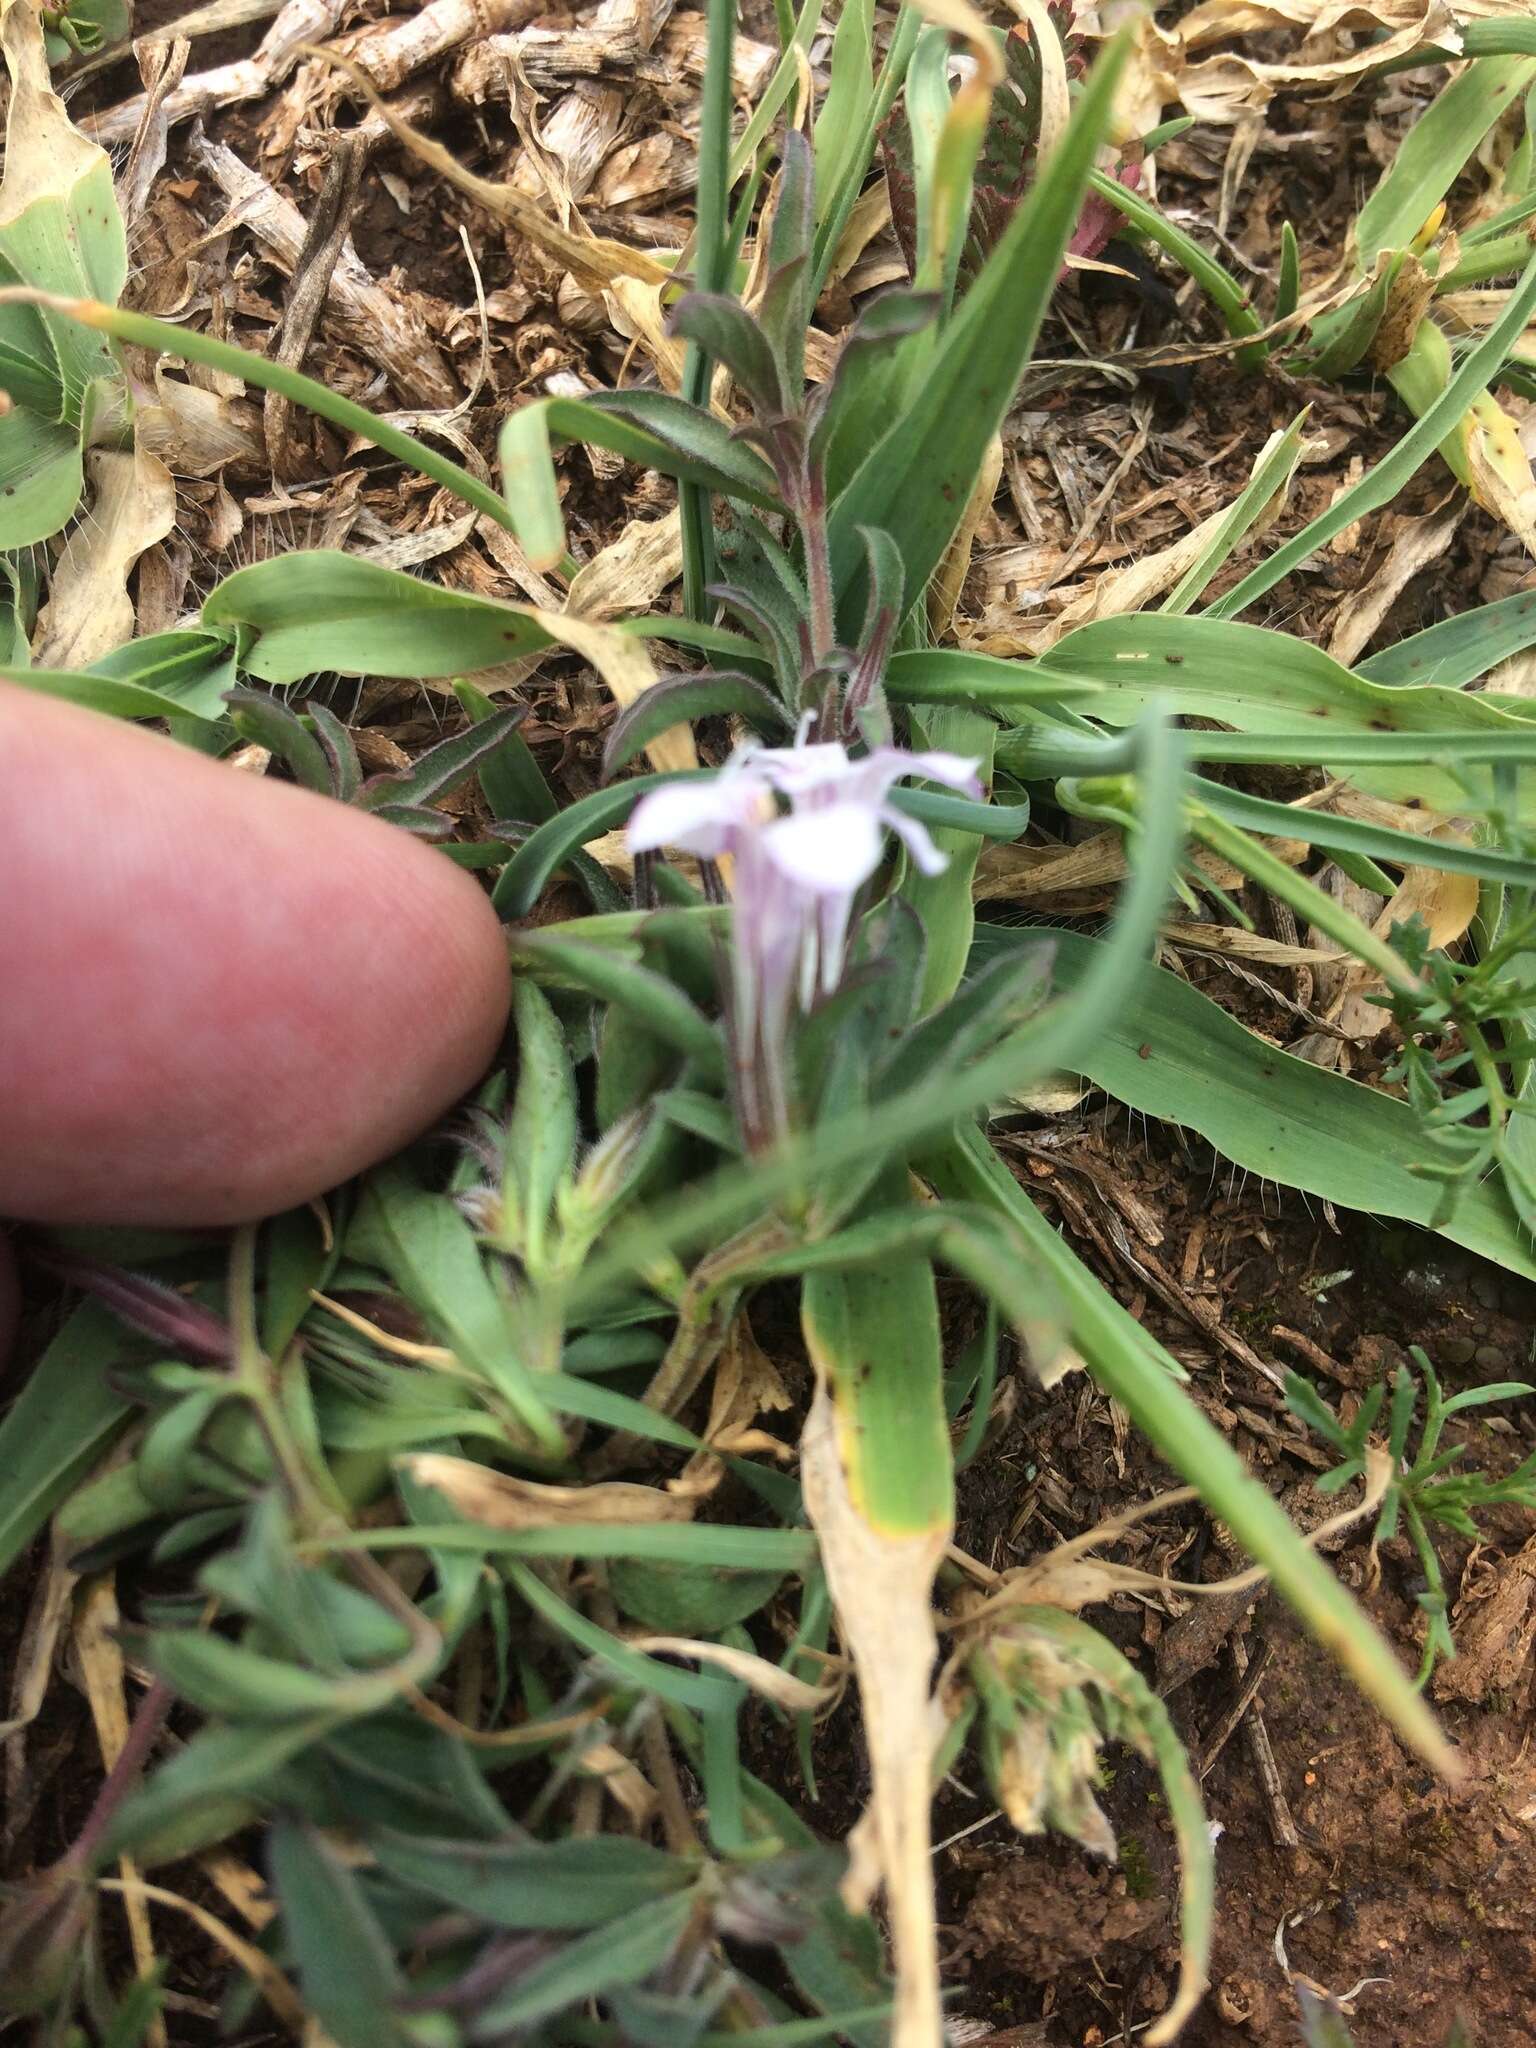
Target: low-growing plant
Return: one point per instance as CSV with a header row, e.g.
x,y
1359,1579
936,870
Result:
x,y
1422,1490
442,1630
60,232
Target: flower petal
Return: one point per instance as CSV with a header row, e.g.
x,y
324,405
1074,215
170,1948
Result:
x,y
800,772
914,837
697,817
828,852
888,765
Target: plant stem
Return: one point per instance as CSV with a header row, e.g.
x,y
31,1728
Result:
x,y
818,566
125,1773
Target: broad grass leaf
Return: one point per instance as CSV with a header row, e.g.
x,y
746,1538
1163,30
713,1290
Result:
x,y
1260,499
1231,299
318,611
846,104
60,227
1257,681
187,669
1459,650
852,409
42,475
1172,1052
29,363
110,695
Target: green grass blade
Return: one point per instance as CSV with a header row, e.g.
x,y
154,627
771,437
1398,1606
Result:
x,y
1459,650
1431,156
1379,486
1359,836
974,371
711,273
1230,298
190,346
1178,1429
1271,476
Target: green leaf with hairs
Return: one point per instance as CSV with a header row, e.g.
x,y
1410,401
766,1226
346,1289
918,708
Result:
x,y
676,700
562,1887
60,1422
688,1599
624,1951
351,1981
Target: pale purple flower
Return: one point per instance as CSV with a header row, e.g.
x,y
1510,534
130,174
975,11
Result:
x,y
797,876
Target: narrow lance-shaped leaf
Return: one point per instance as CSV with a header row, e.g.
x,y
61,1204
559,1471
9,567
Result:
x,y
974,371
443,766
712,693
651,429
272,725
543,1129
351,1981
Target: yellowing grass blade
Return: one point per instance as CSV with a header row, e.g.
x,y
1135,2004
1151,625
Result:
x,y
878,1484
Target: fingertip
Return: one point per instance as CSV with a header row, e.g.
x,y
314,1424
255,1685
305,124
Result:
x,y
223,994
